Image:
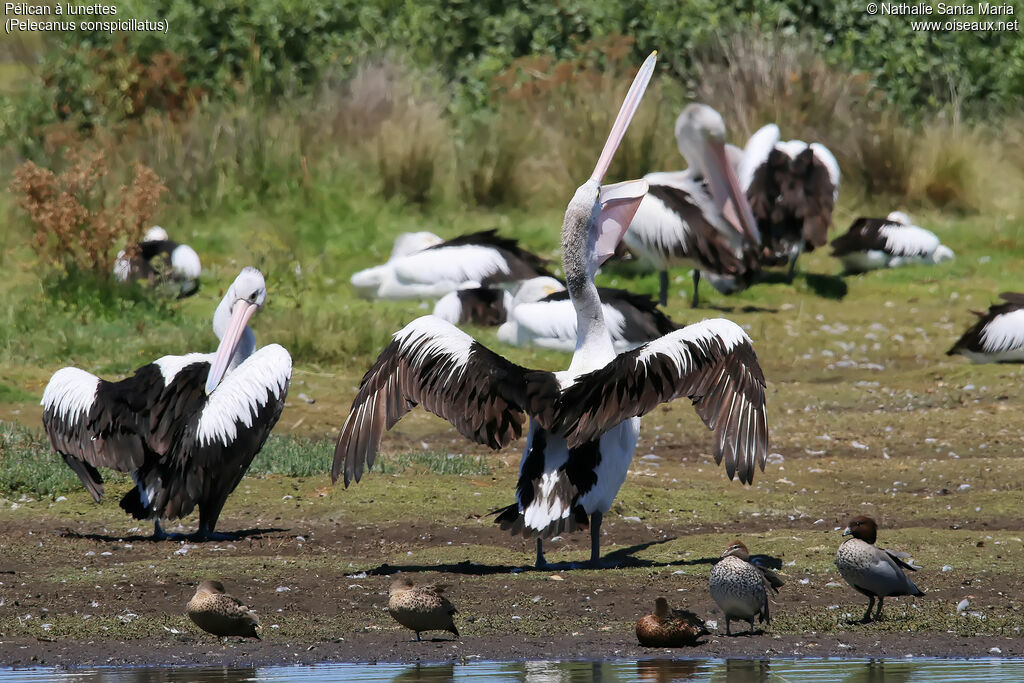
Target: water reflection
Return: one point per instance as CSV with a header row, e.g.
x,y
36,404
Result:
x,y
581,671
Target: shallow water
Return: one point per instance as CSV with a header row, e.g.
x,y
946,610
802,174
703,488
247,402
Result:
x,y
930,670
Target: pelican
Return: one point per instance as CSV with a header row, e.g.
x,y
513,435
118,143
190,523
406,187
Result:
x,y
888,242
185,427
542,314
698,217
584,422
792,187
158,258
483,258
998,336
476,305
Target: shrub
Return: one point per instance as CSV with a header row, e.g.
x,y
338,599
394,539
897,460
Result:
x,y
75,226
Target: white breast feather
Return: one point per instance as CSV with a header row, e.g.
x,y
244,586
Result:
x,y
1004,333
70,392
242,393
675,344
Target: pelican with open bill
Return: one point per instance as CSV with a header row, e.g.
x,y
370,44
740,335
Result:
x,y
585,421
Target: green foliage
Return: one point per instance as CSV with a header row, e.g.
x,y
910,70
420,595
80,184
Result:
x,y
434,462
28,465
293,456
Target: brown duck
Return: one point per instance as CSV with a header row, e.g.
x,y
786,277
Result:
x,y
741,587
669,627
421,608
216,612
873,571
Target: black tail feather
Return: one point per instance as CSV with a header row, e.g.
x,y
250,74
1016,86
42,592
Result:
x,y
88,474
132,504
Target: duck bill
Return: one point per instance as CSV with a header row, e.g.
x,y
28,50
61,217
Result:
x,y
847,532
725,188
629,107
239,319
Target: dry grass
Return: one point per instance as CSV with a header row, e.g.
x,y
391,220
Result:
x,y
78,224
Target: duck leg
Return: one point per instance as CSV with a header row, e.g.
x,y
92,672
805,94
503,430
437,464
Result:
x,y
867,614
878,612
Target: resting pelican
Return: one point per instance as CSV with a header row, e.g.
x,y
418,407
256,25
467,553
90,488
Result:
x,y
185,427
698,217
998,336
546,317
888,242
584,422
792,188
483,258
157,257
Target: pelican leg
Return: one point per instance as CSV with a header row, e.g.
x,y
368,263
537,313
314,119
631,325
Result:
x,y
158,531
541,562
794,254
595,538
696,281
663,288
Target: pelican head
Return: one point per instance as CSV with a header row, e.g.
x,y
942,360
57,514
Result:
x,y
700,134
536,288
598,215
155,234
412,242
245,296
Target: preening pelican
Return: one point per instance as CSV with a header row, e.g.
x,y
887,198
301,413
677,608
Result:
x,y
998,336
185,427
889,242
584,422
698,217
792,187
157,258
544,316
482,257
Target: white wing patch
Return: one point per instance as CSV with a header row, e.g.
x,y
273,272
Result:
x,y
756,152
908,240
676,344
70,393
432,336
453,264
242,393
822,153
170,366
1004,333
185,261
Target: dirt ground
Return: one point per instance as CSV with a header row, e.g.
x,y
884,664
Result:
x,y
80,585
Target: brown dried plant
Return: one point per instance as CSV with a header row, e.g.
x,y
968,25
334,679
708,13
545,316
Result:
x,y
78,224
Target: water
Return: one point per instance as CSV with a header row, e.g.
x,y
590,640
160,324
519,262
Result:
x,y
930,670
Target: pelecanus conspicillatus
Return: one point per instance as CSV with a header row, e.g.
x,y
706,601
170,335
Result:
x,y
699,217
185,427
482,257
998,336
889,242
584,422
792,187
475,305
368,281
545,317
158,258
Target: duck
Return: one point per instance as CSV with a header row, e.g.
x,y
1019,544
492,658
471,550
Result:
x,y
998,336
873,571
421,608
668,627
220,614
740,587
890,242
157,258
